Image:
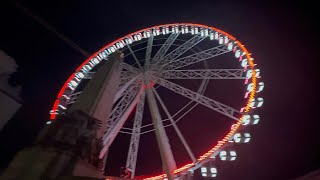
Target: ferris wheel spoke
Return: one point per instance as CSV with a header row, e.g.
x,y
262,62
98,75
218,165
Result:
x,y
164,48
201,90
184,142
180,50
119,115
203,74
126,76
167,157
210,103
197,57
121,90
135,137
129,68
134,57
148,52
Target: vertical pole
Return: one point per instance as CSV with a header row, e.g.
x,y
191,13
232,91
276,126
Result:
x,y
167,158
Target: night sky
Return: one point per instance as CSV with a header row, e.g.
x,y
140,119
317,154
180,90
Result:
x,y
282,38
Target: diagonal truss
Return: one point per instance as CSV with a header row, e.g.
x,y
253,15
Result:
x,y
148,53
126,76
120,114
180,50
128,67
124,87
135,137
134,57
164,48
203,74
197,57
201,90
210,103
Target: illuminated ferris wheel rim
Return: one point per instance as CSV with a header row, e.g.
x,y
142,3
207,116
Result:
x,y
237,47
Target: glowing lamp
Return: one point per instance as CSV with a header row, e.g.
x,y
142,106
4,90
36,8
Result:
x,y
216,35
230,46
237,54
211,36
221,40
226,39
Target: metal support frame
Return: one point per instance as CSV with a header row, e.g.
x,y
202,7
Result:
x,y
119,115
210,103
203,74
164,48
201,90
167,158
170,57
148,53
184,142
135,137
128,67
197,57
122,89
135,58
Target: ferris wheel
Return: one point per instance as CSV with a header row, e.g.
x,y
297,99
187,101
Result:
x,y
185,59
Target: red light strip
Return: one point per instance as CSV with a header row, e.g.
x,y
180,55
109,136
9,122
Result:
x,y
220,143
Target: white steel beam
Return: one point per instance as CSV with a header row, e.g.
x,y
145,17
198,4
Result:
x,y
134,57
164,48
194,58
128,67
124,87
203,74
148,53
170,57
167,158
119,115
210,103
135,137
184,142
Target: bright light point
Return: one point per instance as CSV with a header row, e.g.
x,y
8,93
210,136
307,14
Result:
x,y
196,30
48,122
206,32
261,86
233,153
247,140
230,46
221,40
202,33
226,39
247,135
192,30
223,153
250,87
216,35
244,63
233,158
257,72
249,74
213,170
203,169
204,174
213,175
73,83
80,75
237,137
237,54
62,106
260,102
